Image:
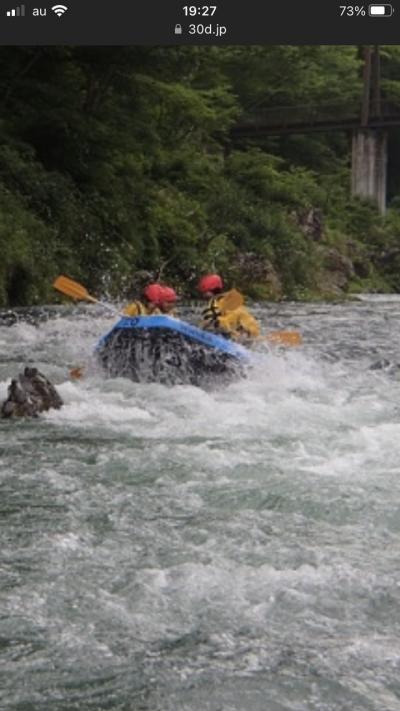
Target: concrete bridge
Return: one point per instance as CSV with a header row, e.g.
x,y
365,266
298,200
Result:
x,y
367,120
283,120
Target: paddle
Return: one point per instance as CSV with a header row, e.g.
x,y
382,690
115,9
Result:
x,y
284,338
233,299
77,291
230,301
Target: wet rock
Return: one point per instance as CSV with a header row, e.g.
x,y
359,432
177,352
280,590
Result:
x,y
389,367
8,318
29,394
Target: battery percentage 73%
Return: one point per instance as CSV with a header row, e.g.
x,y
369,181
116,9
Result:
x,y
352,10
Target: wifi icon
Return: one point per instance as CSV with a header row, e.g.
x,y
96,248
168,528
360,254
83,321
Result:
x,y
59,9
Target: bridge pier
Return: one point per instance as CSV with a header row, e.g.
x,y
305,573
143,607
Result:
x,y
368,168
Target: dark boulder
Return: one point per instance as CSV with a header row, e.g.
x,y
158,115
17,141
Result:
x,y
29,394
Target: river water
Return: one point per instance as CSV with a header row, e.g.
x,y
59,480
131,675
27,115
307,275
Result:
x,y
179,549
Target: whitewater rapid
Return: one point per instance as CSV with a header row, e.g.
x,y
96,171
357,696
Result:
x,y
231,550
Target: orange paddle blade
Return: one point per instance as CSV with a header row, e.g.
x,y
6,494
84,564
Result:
x,y
285,338
231,300
73,289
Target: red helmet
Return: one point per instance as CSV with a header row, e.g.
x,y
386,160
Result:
x,y
169,295
153,293
210,282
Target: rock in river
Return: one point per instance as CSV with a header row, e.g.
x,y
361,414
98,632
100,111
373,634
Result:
x,y
29,394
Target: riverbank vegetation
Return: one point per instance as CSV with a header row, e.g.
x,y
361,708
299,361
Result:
x,y
117,162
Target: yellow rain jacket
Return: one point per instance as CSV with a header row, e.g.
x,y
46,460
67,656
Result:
x,y
237,323
136,308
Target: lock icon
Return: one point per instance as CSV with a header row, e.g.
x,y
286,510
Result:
x,y
178,29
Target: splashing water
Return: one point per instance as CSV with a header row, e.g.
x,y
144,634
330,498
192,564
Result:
x,y
175,548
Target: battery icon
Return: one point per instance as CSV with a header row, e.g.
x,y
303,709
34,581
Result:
x,y
380,10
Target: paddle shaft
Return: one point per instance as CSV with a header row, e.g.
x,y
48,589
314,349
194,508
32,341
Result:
x,y
76,291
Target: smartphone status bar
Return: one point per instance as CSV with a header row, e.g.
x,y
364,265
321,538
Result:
x,y
97,22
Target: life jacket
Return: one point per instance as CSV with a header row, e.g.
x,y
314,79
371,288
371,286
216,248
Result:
x,y
210,315
239,324
236,324
136,308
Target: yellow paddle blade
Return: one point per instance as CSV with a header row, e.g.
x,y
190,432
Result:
x,y
73,289
285,338
230,301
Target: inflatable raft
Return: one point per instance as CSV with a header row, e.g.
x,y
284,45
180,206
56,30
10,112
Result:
x,y
167,350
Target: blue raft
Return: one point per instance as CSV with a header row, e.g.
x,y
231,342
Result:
x,y
167,350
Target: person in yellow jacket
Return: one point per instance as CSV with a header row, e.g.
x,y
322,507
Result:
x,y
157,299
237,323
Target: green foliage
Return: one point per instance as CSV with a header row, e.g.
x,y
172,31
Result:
x,y
119,159
26,248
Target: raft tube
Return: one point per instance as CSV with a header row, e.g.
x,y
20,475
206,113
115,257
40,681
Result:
x,y
168,350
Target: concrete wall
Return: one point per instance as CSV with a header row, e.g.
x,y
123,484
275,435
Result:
x,y
369,165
